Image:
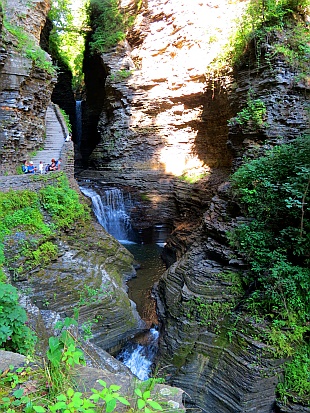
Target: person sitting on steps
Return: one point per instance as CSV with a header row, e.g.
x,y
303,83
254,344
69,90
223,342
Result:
x,y
31,168
58,163
52,166
25,167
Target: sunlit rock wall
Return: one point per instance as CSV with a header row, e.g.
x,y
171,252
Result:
x,y
223,362
159,121
25,89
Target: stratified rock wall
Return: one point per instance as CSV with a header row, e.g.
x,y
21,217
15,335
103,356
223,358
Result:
x,y
158,121
161,119
231,371
25,89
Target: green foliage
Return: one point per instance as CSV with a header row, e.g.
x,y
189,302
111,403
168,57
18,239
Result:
x,y
62,203
15,335
274,191
145,403
121,74
67,38
109,24
67,119
29,49
53,390
269,22
261,18
192,177
253,115
62,348
44,254
20,211
109,395
296,380
72,402
207,313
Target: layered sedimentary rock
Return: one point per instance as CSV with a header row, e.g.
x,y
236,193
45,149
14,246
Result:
x,y
158,121
163,119
25,88
85,281
231,370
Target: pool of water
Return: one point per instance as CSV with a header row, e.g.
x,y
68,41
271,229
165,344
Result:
x,y
151,267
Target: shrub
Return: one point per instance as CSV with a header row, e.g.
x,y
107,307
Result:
x,y
15,335
274,192
63,204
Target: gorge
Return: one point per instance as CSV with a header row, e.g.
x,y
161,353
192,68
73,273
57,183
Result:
x,y
161,122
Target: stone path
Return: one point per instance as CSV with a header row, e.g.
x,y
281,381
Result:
x,y
54,141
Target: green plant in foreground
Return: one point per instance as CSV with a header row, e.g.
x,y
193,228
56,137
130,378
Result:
x,y
15,335
144,401
59,395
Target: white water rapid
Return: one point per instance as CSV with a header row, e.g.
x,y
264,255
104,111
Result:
x,y
139,357
110,212
109,208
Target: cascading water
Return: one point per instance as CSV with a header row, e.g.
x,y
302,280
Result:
x,y
110,211
109,207
139,358
78,124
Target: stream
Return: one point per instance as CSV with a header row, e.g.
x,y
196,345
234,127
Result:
x,y
110,207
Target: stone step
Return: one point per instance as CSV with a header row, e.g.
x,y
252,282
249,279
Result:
x,y
54,140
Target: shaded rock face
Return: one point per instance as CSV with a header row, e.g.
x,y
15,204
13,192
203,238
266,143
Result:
x,y
161,118
157,120
86,280
25,89
231,371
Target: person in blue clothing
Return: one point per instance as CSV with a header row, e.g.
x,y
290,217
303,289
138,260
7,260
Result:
x,y
31,168
57,164
25,167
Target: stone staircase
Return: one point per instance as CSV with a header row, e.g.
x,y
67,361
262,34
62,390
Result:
x,y
54,141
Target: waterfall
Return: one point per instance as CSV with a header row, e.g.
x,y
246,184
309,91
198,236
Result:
x,y
139,357
109,208
110,212
78,120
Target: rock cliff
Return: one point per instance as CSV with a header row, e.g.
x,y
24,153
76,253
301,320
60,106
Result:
x,y
157,121
163,122
25,86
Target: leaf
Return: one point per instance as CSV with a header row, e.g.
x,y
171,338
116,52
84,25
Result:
x,y
114,387
70,392
123,400
146,394
154,405
141,403
62,398
38,409
18,393
103,383
138,392
110,406
59,405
